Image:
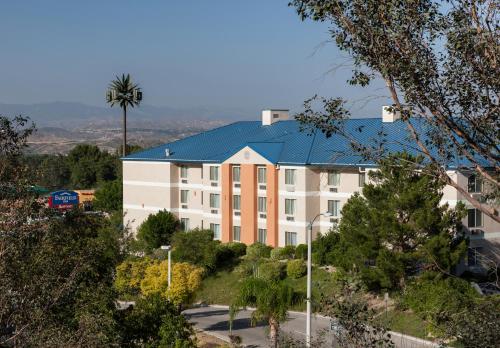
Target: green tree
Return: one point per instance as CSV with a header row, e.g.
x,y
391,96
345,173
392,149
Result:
x,y
53,172
83,161
157,230
108,197
154,322
124,92
399,226
200,240
439,62
271,299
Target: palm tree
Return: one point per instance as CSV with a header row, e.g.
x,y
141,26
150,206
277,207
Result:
x,y
272,300
124,93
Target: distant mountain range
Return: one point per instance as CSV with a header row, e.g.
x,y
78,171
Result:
x,y
73,115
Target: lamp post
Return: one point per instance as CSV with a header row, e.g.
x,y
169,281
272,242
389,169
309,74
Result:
x,y
169,274
309,276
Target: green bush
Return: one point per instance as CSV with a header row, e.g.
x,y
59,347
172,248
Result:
x,y
276,254
272,270
284,253
196,247
436,299
245,269
258,251
301,251
157,322
229,254
239,249
296,268
157,230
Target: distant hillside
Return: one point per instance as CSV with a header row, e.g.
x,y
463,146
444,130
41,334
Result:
x,y
73,115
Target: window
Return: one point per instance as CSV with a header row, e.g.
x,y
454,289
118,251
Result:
x,y
215,228
333,178
214,173
184,172
474,184
290,176
236,174
261,175
289,206
475,218
361,179
185,224
237,202
214,200
184,196
290,238
262,235
262,205
236,233
334,207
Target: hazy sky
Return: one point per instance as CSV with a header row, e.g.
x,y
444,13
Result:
x,y
239,54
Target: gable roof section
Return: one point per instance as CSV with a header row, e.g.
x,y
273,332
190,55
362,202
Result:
x,y
284,143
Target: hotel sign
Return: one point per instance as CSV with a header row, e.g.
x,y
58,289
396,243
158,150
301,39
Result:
x,y
63,199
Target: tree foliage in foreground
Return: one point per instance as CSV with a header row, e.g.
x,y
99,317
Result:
x,y
440,63
399,227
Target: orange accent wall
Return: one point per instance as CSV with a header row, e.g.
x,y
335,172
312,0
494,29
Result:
x,y
248,203
272,205
227,203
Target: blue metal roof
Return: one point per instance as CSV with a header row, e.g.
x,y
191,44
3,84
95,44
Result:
x,y
284,143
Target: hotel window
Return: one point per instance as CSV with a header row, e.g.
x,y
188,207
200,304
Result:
x,y
474,218
185,224
214,201
262,205
236,202
215,228
290,176
214,173
184,196
236,174
474,184
289,206
361,179
261,175
334,207
290,238
333,178
236,233
262,235
184,172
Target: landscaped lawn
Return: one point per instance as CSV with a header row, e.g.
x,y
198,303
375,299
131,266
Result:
x,y
222,287
404,322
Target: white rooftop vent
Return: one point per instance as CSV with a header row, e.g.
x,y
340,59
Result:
x,y
390,115
167,152
273,115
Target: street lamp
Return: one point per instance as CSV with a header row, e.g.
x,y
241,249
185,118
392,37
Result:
x,y
169,249
309,275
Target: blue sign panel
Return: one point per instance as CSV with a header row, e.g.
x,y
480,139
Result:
x,y
63,199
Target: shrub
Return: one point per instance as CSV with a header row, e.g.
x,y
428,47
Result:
x,y
272,270
186,279
245,269
129,275
284,253
239,249
301,251
157,322
196,247
157,230
324,247
436,299
296,268
258,251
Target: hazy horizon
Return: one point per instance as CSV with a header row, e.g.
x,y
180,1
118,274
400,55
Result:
x,y
228,55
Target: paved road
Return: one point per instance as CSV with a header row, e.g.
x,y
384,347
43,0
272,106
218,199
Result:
x,y
215,320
